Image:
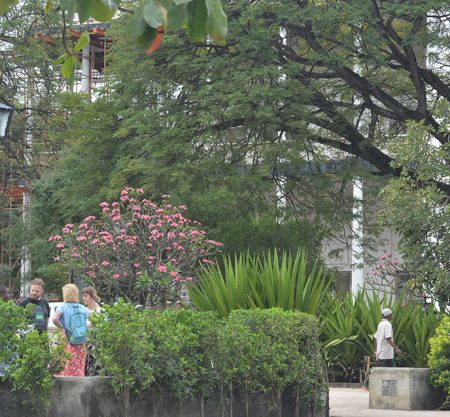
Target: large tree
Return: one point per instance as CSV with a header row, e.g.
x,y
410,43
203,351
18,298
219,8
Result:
x,y
296,85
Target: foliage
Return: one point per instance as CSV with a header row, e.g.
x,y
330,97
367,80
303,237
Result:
x,y
27,361
125,349
187,353
158,123
186,346
439,359
137,249
348,327
252,281
270,350
149,20
419,209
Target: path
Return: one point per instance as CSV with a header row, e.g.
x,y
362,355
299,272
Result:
x,y
349,402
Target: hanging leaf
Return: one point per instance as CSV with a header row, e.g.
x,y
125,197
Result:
x,y
178,2
85,9
68,67
137,24
196,25
101,12
60,59
217,22
145,40
83,41
152,13
176,17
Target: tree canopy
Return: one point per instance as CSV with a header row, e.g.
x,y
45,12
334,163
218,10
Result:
x,y
297,85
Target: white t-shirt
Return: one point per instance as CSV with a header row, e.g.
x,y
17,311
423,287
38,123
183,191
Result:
x,y
384,331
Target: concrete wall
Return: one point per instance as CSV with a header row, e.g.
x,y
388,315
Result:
x,y
402,389
93,397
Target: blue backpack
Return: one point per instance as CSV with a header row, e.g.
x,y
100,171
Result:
x,y
76,328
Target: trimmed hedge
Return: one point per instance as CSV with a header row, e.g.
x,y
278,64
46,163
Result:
x,y
439,359
197,354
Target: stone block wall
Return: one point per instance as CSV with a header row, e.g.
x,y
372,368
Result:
x,y
402,389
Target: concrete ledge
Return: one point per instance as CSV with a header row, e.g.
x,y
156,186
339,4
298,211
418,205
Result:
x,y
94,397
402,389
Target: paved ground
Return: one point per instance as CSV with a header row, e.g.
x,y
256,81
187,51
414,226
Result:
x,y
348,402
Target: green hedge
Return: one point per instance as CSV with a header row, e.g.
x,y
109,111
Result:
x,y
27,362
197,354
439,359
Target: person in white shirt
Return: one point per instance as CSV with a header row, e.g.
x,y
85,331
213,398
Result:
x,y
384,338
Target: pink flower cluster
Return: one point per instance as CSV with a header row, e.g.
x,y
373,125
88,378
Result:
x,y
386,270
133,238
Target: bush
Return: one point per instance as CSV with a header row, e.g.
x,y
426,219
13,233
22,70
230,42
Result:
x,y
439,359
272,350
348,326
140,251
251,281
27,362
125,349
186,348
196,354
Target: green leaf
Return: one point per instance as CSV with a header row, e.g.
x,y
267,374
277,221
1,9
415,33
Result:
x,y
137,24
83,41
217,22
176,16
196,25
60,59
5,5
102,12
178,2
68,67
145,40
84,10
152,14
48,6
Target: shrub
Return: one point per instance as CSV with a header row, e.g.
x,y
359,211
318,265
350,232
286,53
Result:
x,y
250,281
125,349
27,362
348,326
439,359
195,354
186,347
136,249
272,350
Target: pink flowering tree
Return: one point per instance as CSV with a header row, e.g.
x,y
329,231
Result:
x,y
136,249
386,272
389,275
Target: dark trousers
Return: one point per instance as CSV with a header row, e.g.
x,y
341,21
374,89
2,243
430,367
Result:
x,y
386,363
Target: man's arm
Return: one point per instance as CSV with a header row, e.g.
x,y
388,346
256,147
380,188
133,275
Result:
x,y
391,342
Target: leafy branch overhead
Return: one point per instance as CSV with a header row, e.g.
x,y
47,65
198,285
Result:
x,y
150,19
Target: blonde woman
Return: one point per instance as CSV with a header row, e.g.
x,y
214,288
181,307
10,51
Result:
x,y
72,317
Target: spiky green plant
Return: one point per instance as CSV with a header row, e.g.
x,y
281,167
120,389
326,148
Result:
x,y
250,281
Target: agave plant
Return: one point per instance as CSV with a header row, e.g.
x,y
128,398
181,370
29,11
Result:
x,y
250,281
348,327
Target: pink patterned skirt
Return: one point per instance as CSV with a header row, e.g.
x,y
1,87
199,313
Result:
x,y
76,363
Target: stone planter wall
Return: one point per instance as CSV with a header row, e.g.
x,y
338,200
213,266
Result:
x,y
402,389
93,397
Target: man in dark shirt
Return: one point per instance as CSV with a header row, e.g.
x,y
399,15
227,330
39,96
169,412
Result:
x,y
41,309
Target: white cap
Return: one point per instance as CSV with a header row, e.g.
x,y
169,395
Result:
x,y
386,312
